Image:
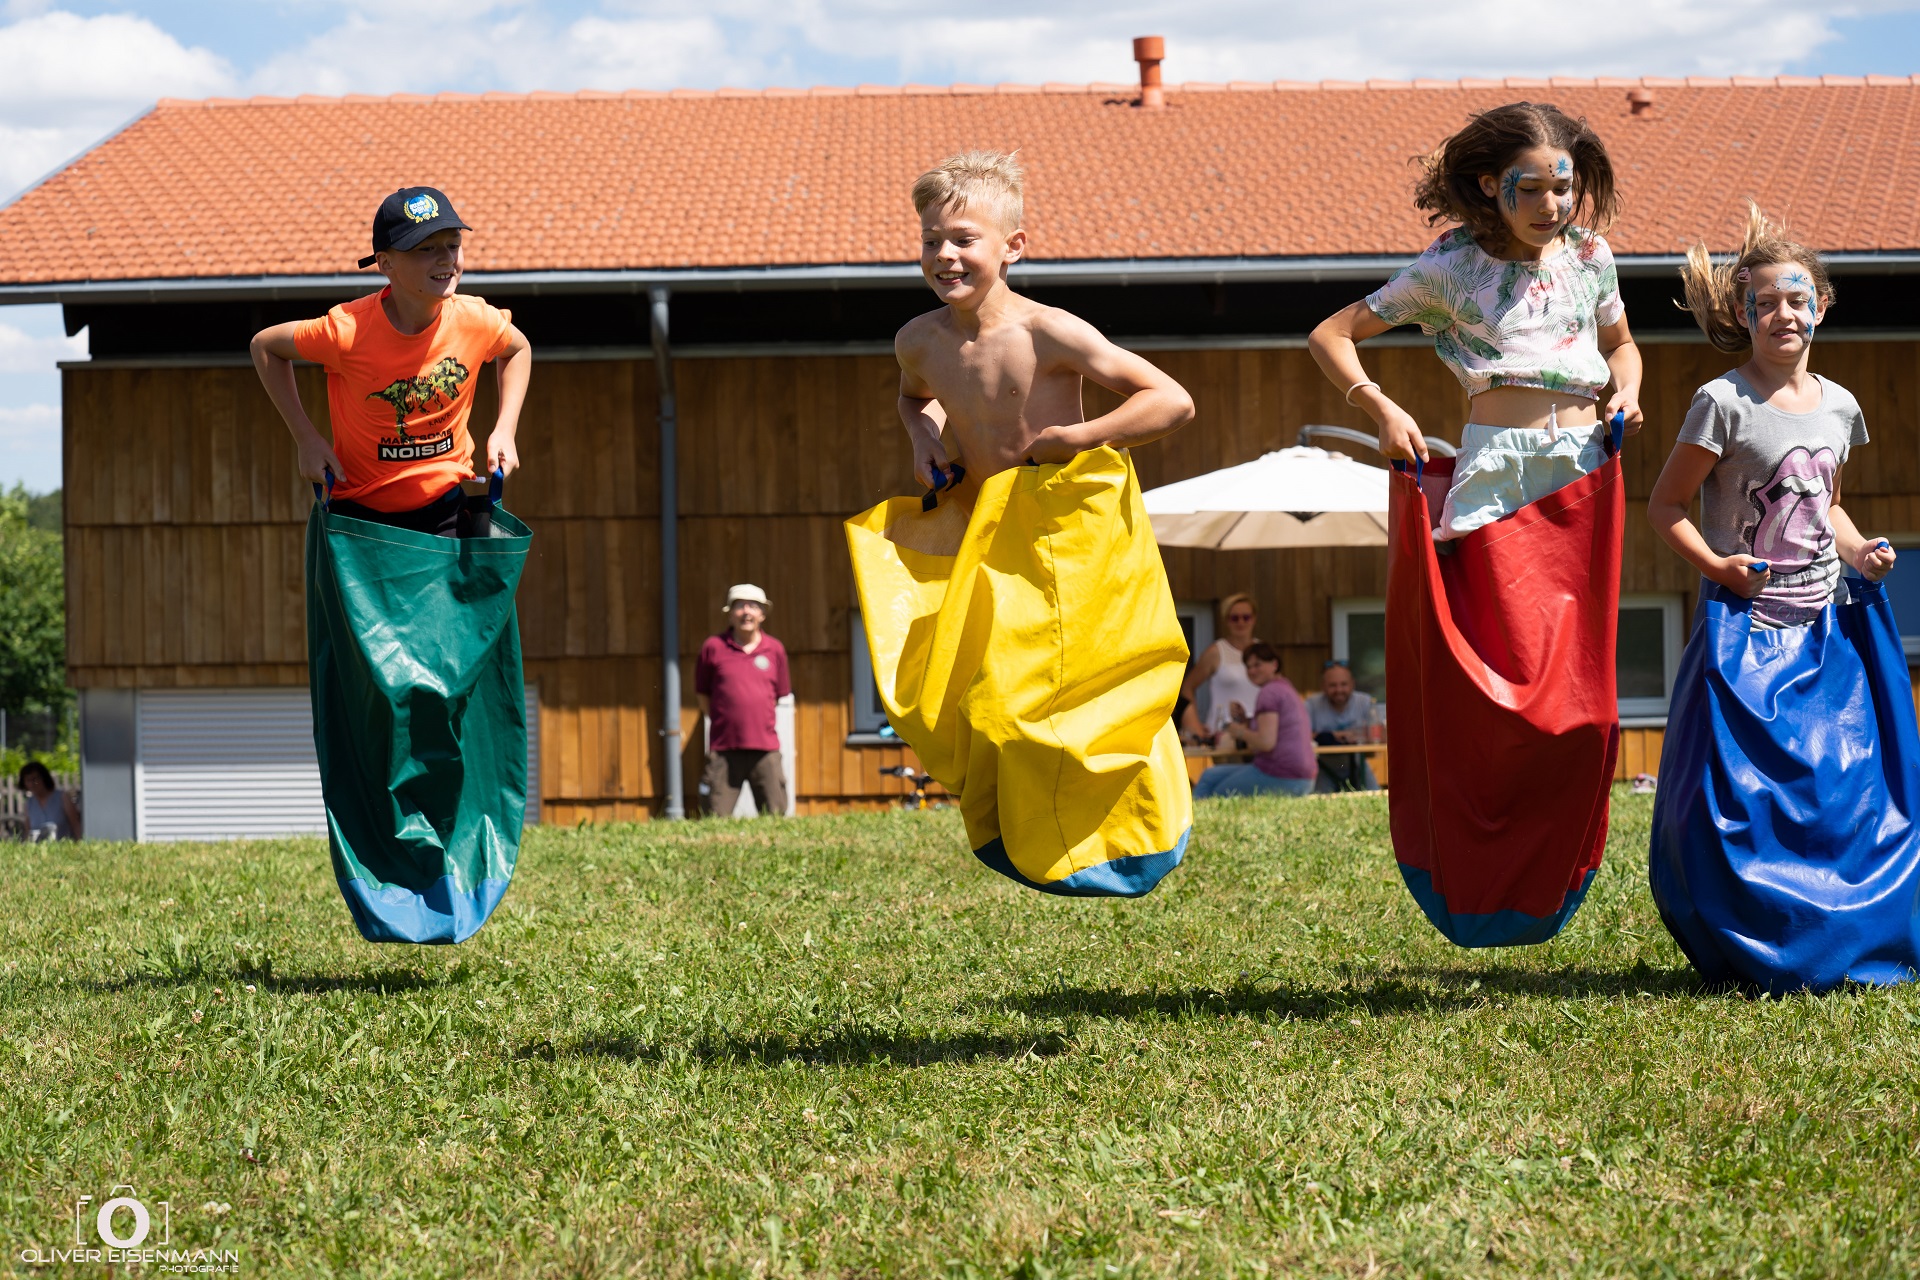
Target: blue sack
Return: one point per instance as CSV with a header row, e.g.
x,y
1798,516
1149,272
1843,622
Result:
x,y
1785,853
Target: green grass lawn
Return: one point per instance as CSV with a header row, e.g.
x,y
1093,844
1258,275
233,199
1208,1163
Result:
x,y
840,1047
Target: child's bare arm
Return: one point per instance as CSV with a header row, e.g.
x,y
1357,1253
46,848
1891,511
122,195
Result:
x,y
1334,347
1686,470
922,415
1872,556
273,355
1623,358
1155,404
513,368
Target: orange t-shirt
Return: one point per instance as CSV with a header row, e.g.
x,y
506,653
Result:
x,y
400,403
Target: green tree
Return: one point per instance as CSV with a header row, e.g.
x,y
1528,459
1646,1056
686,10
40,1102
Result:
x,y
32,607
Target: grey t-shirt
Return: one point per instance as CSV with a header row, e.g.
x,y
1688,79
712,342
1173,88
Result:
x,y
1326,720
1768,495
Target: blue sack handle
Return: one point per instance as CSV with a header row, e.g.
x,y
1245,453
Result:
x,y
325,499
1617,432
943,480
496,484
1419,469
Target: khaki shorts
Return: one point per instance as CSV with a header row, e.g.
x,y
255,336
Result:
x,y
728,771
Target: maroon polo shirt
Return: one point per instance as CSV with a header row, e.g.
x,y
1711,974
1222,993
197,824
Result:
x,y
741,689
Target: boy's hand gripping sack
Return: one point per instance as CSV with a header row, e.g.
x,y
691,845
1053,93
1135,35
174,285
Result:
x,y
1031,657
1785,852
419,719
1505,725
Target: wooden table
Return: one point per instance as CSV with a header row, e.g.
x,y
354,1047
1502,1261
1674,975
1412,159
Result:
x,y
1199,759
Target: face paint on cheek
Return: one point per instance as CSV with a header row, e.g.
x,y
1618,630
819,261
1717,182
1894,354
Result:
x,y
1510,190
1753,314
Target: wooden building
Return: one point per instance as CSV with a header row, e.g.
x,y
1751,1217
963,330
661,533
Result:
x,y
770,232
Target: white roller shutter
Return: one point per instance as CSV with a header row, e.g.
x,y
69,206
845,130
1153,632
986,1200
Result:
x,y
218,763
215,764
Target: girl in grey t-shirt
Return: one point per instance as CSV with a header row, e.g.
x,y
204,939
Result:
x,y
1764,444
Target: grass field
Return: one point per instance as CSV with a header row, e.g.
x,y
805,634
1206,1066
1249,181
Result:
x,y
840,1047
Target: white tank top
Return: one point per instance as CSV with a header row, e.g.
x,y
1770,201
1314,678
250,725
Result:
x,y
1228,685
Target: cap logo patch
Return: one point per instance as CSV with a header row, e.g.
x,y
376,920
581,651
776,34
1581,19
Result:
x,y
422,208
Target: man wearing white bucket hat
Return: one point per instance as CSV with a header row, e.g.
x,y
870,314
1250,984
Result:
x,y
741,675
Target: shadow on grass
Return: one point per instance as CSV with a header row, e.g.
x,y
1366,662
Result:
x,y
1414,991
1641,979
851,1048
381,982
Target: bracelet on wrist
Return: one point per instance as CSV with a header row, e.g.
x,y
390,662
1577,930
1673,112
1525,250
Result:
x,y
1364,382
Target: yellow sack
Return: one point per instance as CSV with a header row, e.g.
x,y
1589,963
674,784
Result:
x,y
1031,658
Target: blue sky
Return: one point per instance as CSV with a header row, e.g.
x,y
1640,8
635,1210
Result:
x,y
72,72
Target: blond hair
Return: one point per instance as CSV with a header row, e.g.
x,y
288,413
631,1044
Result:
x,y
991,180
1239,597
1716,292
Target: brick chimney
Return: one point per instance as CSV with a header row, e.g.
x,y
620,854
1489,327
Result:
x,y
1148,51
1640,100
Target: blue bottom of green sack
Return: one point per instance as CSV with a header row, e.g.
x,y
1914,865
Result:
x,y
419,720
394,913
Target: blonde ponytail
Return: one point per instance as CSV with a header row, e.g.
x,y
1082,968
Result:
x,y
1716,291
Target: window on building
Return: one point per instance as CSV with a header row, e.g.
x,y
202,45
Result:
x,y
1360,641
1647,654
869,713
1196,623
1903,589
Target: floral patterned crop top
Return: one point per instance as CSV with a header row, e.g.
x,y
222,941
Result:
x,y
1511,324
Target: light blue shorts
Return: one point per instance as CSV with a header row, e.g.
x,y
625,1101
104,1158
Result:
x,y
1502,469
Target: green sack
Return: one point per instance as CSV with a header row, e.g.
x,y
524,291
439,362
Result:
x,y
419,720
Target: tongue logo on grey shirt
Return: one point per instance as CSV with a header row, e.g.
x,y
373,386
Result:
x,y
1792,528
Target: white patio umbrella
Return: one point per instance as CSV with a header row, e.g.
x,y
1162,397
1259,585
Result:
x,y
1300,497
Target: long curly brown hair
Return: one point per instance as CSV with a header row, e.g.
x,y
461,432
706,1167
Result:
x,y
1449,187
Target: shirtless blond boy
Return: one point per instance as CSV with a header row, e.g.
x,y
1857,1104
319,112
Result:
x,y
999,373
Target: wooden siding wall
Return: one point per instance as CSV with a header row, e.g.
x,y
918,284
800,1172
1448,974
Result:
x,y
185,526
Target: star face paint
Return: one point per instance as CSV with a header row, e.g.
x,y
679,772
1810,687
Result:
x,y
1510,190
1791,287
1563,168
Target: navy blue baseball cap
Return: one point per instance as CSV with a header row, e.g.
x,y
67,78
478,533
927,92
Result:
x,y
409,216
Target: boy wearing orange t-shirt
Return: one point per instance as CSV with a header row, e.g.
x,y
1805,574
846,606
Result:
x,y
401,367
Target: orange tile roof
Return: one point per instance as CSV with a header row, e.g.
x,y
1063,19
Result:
x,y
729,178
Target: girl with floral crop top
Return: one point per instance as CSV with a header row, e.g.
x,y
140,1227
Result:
x,y
1523,304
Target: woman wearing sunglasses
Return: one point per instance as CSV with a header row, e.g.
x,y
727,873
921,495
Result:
x,y
1222,668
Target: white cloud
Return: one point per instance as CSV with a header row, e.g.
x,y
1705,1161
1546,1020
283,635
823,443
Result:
x,y
66,80
517,49
30,446
24,352
664,43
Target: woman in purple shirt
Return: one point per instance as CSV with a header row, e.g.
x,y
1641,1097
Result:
x,y
1279,733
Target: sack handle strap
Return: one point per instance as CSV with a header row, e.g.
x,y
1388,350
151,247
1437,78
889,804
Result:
x,y
942,481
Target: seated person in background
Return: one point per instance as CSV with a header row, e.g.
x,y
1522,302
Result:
x,y
1339,714
51,813
1277,733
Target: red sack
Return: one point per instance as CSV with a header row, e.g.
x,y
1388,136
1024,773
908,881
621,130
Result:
x,y
1505,724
